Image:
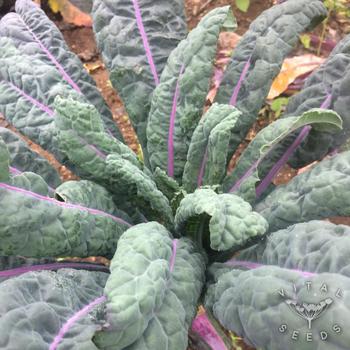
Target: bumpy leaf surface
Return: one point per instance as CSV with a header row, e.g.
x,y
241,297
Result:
x,y
152,292
4,162
34,34
37,307
178,100
246,302
232,222
33,225
261,157
207,154
89,194
23,158
135,43
328,86
26,95
106,160
314,246
315,194
258,58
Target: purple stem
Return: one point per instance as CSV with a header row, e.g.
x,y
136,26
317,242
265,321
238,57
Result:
x,y
203,327
202,168
237,88
282,161
172,126
52,58
15,171
146,45
253,265
32,100
54,266
248,173
76,317
173,255
63,204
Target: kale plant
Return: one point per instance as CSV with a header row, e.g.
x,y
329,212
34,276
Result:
x,y
178,228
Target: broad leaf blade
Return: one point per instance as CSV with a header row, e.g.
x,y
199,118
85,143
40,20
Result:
x,y
315,194
179,99
263,155
245,301
151,302
51,228
135,39
258,58
22,158
4,162
314,246
327,87
232,223
206,158
34,34
89,194
107,161
59,308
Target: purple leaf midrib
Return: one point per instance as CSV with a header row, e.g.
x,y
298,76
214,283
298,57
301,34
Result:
x,y
254,265
237,88
280,163
173,255
15,171
204,328
202,167
172,125
63,204
29,98
145,41
73,319
54,266
283,160
51,58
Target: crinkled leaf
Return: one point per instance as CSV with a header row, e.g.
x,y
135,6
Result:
x,y
327,86
258,58
31,182
33,225
206,158
314,246
43,309
319,193
152,301
107,161
232,223
13,266
34,34
179,99
166,184
89,194
245,302
120,176
86,122
135,44
132,183
261,157
4,162
28,87
23,158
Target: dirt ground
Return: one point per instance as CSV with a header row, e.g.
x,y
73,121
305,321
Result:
x,y
81,41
